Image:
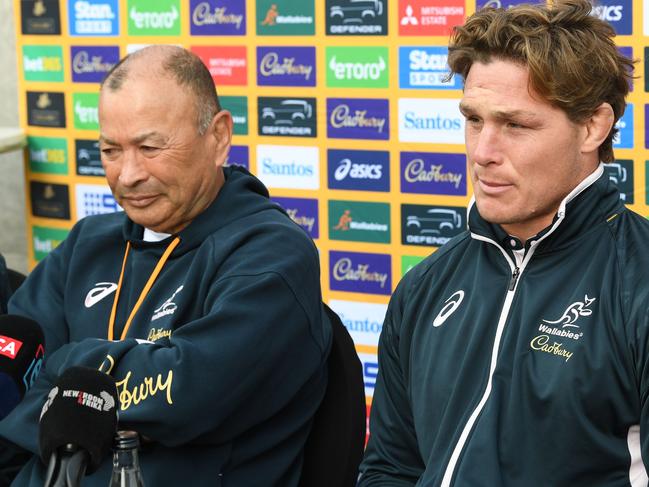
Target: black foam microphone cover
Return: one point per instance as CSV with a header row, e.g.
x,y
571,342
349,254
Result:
x,y
22,348
81,410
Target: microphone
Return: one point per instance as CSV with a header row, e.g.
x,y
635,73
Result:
x,y
22,348
77,426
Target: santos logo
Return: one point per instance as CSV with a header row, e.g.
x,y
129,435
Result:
x,y
364,321
430,121
291,167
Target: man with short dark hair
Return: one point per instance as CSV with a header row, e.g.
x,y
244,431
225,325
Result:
x,y
518,353
202,299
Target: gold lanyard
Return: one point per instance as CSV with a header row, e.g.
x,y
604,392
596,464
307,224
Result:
x,y
111,323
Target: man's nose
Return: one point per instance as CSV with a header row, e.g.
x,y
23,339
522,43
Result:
x,y
133,170
486,148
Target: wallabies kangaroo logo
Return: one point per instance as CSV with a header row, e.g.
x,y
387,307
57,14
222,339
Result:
x,y
573,312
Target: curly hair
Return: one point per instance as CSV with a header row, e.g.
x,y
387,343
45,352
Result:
x,y
572,58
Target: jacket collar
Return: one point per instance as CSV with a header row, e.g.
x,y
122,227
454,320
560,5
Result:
x,y
595,200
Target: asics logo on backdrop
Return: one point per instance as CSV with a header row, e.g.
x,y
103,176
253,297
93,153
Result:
x,y
99,292
450,305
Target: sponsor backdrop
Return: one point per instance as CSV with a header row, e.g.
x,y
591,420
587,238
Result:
x,y
340,106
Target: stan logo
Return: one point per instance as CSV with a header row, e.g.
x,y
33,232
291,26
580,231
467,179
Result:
x,y
357,67
425,68
218,17
573,313
99,292
450,305
168,307
93,17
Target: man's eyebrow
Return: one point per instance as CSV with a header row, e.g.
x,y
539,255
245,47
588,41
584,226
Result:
x,y
136,140
465,108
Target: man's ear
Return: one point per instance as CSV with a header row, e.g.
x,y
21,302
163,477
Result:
x,y
221,129
598,126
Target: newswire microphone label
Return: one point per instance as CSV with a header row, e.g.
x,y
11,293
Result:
x,y
360,272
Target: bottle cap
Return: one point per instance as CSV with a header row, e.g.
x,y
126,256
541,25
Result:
x,y
126,440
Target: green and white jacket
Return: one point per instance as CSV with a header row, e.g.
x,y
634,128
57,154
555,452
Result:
x,y
509,365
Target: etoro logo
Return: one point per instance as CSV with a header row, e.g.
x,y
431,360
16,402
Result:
x,y
93,17
429,17
154,17
217,17
357,67
86,111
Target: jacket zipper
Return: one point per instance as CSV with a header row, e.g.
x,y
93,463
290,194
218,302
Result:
x,y
516,270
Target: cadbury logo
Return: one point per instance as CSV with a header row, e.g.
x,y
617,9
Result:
x,y
271,66
416,172
203,16
84,63
343,271
342,117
